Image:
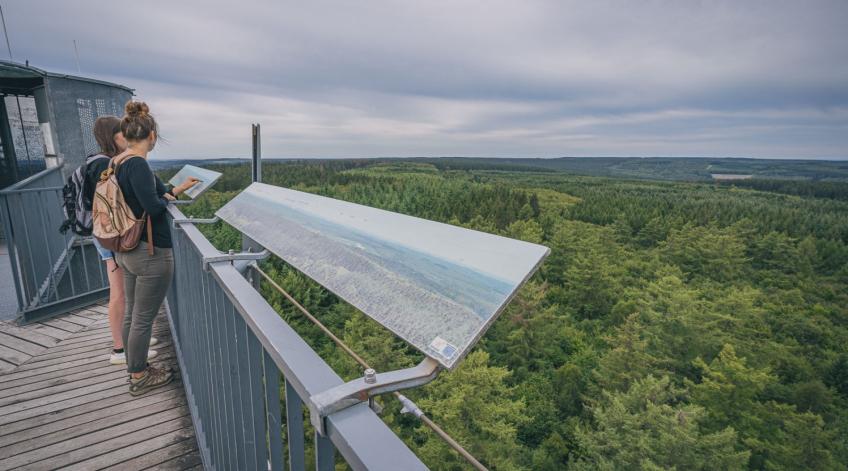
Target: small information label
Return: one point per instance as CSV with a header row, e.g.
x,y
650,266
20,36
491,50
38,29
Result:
x,y
443,347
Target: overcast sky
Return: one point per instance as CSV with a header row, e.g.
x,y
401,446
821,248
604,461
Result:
x,y
472,78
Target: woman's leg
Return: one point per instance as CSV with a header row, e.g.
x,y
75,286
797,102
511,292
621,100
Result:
x,y
152,279
117,303
129,297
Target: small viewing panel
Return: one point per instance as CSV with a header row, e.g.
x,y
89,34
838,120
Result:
x,y
435,285
207,179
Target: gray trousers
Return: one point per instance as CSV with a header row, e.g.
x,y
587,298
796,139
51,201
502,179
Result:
x,y
146,281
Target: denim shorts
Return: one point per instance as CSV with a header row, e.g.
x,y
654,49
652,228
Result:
x,y
104,254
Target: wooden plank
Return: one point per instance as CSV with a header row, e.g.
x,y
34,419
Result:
x,y
63,325
20,345
80,411
36,403
179,454
104,421
165,438
77,319
59,371
83,337
62,378
98,309
106,334
58,334
89,315
30,335
75,346
16,375
104,440
6,366
12,356
94,312
74,349
97,328
94,331
190,460
29,393
58,406
31,374
69,358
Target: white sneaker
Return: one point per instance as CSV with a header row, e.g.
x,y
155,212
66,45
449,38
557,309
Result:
x,y
153,341
121,358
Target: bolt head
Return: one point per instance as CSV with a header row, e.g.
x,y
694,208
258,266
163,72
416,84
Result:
x,y
370,376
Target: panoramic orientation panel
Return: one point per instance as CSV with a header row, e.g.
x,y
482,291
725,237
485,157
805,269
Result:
x,y
207,179
435,285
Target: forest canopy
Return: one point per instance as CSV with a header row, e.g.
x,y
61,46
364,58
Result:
x,y
675,325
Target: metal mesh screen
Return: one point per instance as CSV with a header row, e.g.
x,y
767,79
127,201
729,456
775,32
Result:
x,y
86,121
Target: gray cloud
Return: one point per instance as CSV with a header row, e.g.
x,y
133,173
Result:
x,y
477,78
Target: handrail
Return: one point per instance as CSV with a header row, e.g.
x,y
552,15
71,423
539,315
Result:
x,y
26,182
52,272
359,435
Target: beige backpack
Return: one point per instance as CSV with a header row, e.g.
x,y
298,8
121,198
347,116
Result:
x,y
113,222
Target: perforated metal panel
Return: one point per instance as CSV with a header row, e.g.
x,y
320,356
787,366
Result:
x,y
101,106
86,121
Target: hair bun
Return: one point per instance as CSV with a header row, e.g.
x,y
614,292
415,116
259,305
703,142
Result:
x,y
136,108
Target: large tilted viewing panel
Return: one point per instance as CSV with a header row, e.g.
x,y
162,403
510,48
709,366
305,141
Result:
x,y
437,286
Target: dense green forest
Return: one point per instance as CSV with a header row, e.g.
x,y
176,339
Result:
x,y
675,325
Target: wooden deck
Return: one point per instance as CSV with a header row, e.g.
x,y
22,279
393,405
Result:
x,y
63,406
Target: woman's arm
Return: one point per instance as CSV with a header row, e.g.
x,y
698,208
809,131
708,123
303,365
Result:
x,y
161,188
143,183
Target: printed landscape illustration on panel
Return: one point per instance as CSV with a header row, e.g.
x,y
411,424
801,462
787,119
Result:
x,y
435,285
207,179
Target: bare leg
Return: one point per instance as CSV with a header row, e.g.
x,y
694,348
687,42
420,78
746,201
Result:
x,y
116,302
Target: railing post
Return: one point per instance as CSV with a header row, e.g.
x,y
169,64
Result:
x,y
294,424
272,409
324,453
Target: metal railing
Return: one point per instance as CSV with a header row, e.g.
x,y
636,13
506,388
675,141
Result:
x,y
236,355
53,273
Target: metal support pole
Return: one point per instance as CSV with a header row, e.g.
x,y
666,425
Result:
x,y
256,161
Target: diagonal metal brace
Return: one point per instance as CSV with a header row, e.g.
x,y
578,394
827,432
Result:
x,y
372,384
192,220
232,255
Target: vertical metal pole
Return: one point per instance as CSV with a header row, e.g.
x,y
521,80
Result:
x,y
294,423
324,453
272,408
11,246
257,398
256,162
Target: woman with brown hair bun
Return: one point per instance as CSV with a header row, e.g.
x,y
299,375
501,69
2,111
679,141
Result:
x,y
146,277
107,133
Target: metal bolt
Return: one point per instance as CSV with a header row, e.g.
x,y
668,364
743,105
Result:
x,y
370,376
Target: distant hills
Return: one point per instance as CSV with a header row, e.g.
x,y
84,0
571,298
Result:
x,y
652,168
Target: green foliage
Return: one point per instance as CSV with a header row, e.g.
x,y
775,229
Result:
x,y
650,426
675,325
474,403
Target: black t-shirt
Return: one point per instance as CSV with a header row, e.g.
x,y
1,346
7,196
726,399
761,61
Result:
x,y
143,191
